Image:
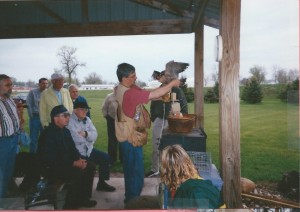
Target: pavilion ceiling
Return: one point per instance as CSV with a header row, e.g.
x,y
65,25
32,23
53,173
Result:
x,y
72,18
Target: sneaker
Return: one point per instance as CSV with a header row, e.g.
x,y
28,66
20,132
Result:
x,y
103,186
151,174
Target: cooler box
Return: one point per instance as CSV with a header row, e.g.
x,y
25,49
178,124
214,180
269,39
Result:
x,y
193,141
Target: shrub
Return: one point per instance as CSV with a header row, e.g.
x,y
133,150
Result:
x,y
290,93
252,92
210,96
188,92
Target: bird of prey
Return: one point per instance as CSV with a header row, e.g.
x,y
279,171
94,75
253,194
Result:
x,y
173,69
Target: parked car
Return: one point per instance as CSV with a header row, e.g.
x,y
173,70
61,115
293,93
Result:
x,y
21,97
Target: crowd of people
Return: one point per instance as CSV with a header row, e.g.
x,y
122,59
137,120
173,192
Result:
x,y
63,135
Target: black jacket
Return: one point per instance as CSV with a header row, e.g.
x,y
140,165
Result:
x,y
57,148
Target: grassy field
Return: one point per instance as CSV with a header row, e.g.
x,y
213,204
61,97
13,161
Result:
x,y
269,136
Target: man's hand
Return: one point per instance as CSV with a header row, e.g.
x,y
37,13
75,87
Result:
x,y
82,133
80,164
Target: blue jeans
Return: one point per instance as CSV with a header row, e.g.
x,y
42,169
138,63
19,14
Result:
x,y
8,150
133,168
102,160
35,130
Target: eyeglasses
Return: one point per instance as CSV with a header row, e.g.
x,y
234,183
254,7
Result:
x,y
65,115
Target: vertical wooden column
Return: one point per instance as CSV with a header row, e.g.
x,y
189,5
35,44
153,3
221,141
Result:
x,y
199,75
230,102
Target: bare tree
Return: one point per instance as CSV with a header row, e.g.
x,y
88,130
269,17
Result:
x,y
293,75
280,75
215,77
259,73
206,80
69,62
93,78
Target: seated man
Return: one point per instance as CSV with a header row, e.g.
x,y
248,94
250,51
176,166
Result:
x,y
57,151
84,135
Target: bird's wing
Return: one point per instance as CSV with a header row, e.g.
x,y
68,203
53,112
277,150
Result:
x,y
174,68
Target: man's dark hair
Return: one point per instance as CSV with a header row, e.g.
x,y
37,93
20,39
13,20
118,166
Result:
x,y
42,79
124,69
3,76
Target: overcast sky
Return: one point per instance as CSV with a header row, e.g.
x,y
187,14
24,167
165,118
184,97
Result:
x,y
269,37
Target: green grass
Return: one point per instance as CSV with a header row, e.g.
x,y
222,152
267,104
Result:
x,y
269,136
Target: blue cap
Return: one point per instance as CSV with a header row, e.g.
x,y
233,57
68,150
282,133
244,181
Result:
x,y
58,110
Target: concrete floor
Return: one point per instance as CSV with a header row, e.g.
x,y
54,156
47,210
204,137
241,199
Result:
x,y
105,200
114,200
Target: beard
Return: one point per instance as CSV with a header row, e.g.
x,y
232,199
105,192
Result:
x,y
7,94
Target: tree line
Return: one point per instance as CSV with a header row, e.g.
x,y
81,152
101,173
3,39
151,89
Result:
x,y
251,88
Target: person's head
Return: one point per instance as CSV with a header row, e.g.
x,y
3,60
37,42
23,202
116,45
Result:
x,y
60,116
57,81
73,89
80,109
43,84
162,77
5,85
176,166
126,74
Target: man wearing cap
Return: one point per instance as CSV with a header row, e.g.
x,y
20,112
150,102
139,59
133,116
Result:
x,y
57,151
73,89
84,135
53,96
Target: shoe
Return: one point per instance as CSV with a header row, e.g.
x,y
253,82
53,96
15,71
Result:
x,y
88,203
151,174
103,186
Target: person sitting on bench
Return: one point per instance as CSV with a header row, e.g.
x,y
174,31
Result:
x,y
84,135
57,152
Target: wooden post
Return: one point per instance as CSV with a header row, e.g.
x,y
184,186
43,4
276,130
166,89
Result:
x,y
198,77
230,102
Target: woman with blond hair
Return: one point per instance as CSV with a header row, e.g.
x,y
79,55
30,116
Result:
x,y
186,188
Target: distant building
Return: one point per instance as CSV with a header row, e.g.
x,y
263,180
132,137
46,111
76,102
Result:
x,y
97,87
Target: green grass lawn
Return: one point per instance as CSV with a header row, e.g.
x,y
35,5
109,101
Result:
x,y
269,136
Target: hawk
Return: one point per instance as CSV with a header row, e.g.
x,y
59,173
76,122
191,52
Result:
x,y
173,69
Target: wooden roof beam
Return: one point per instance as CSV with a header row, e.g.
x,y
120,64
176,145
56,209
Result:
x,y
166,6
199,14
174,26
49,12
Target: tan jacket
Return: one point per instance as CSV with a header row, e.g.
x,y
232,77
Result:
x,y
49,100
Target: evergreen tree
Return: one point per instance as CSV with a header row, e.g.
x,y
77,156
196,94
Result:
x,y
252,92
290,93
210,96
188,92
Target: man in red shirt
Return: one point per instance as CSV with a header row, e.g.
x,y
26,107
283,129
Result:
x,y
128,96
